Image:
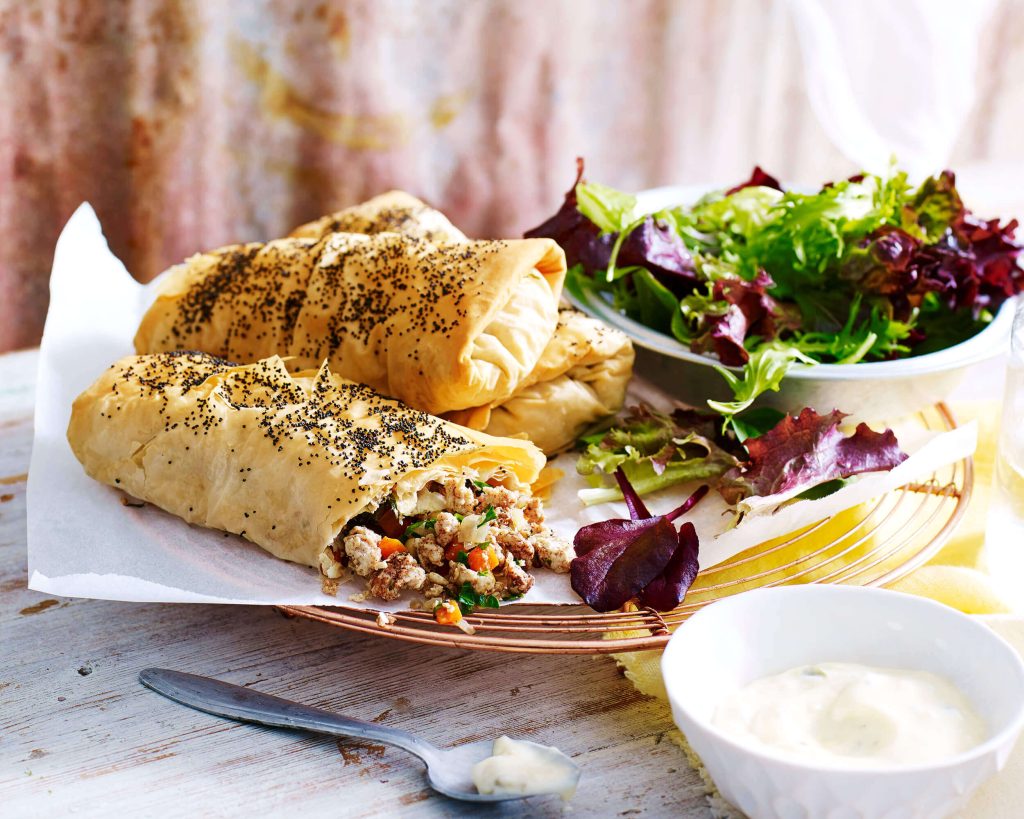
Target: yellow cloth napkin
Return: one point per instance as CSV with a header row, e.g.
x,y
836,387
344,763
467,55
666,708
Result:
x,y
956,576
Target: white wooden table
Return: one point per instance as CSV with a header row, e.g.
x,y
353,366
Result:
x,y
79,735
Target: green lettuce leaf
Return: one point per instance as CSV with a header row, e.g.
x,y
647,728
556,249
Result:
x,y
655,450
765,371
611,210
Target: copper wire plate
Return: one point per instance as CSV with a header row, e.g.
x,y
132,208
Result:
x,y
871,545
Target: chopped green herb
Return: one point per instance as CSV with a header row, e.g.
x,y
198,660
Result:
x,y
489,515
469,599
480,484
412,529
459,517
462,558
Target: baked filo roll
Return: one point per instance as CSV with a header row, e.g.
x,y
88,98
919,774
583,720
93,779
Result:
x,y
321,471
580,378
441,327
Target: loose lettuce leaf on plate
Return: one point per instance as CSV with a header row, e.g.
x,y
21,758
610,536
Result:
x,y
643,558
806,451
656,450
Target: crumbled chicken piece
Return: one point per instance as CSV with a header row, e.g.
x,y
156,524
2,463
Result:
x,y
553,552
459,514
516,544
481,583
426,549
513,518
517,579
534,514
401,571
384,619
446,527
497,496
458,497
434,590
437,579
362,546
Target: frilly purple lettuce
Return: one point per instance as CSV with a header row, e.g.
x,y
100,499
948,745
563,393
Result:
x,y
650,244
806,451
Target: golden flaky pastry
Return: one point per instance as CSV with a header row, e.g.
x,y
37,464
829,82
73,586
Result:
x,y
441,327
391,212
580,378
284,460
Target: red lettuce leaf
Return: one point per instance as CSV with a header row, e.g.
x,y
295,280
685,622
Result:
x,y
617,558
750,311
936,206
651,245
689,503
668,589
808,450
968,263
578,236
757,179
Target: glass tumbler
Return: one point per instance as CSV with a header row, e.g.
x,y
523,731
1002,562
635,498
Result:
x,y
1004,534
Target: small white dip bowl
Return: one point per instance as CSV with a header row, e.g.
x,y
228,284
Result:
x,y
739,639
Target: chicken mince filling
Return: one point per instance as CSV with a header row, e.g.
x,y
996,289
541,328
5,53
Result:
x,y
467,540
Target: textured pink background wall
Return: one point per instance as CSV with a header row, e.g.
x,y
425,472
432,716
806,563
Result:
x,y
193,124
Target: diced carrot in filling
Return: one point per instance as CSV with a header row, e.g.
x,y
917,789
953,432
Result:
x,y
389,545
452,552
482,559
447,613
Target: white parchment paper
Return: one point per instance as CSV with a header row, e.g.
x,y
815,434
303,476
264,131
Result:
x,y
83,542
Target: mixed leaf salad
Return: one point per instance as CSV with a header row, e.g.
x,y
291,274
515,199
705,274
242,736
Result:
x,y
868,268
645,558
739,450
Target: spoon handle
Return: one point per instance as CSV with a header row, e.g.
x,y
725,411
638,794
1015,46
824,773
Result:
x,y
235,702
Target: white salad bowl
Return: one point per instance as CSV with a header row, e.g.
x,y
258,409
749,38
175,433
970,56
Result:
x,y
867,391
739,639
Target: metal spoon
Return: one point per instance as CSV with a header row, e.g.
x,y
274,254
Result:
x,y
449,771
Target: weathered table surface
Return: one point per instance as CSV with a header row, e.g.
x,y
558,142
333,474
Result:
x,y
79,735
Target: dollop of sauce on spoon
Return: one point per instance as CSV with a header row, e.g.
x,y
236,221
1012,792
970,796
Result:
x,y
526,769
854,715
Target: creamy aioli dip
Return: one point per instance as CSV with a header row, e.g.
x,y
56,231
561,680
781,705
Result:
x,y
526,769
852,714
